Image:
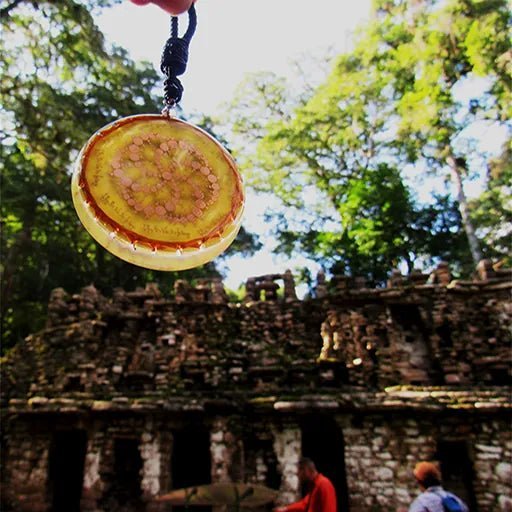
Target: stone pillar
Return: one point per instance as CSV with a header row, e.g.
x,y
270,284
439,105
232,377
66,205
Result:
x,y
251,294
270,287
261,470
150,454
92,488
485,270
287,447
181,291
153,471
218,294
441,275
380,455
89,301
396,279
289,286
321,286
223,449
57,307
27,468
493,467
219,452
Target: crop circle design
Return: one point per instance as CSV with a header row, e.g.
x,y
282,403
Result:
x,y
158,192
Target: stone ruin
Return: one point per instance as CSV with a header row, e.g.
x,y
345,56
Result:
x,y
121,399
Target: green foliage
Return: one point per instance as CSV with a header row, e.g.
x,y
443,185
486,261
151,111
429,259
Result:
x,y
492,210
60,83
333,155
449,45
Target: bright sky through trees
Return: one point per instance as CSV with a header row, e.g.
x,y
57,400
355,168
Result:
x,y
343,156
235,37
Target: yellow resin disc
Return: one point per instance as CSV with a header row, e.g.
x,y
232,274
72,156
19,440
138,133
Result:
x,y
158,192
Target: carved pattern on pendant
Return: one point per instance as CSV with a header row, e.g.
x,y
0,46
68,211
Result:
x,y
163,178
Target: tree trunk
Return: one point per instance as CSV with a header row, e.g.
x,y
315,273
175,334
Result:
x,y
474,244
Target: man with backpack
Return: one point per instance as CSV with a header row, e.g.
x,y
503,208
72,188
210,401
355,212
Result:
x,y
433,497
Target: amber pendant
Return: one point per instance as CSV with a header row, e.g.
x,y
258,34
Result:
x,y
158,192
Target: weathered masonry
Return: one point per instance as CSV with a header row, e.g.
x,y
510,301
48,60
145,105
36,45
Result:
x,y
121,399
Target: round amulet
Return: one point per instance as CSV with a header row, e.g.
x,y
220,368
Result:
x,y
158,192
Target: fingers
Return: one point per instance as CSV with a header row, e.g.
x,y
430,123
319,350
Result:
x,y
173,7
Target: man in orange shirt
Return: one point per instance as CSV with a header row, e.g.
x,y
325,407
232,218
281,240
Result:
x,y
320,498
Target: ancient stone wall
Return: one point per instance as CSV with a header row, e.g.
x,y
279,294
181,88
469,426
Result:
x,y
26,468
492,452
380,452
418,370
140,342
385,449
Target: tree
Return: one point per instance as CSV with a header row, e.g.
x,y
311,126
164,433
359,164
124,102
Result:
x,y
390,103
59,83
432,48
322,154
315,156
492,210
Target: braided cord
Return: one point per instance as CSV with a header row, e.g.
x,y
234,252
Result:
x,y
175,58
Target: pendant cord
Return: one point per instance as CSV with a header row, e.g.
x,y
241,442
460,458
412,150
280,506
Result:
x,y
175,57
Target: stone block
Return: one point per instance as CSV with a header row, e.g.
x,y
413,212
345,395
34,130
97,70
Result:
x,y
504,472
384,473
505,503
488,449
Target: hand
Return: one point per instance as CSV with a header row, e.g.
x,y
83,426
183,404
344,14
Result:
x,y
279,509
173,7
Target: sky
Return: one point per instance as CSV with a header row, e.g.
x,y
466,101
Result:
x,y
235,37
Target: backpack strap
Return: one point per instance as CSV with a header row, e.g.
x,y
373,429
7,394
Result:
x,y
439,495
446,496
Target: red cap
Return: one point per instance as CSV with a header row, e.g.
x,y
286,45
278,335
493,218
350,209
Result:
x,y
426,471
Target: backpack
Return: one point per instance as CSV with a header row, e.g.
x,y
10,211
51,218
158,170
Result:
x,y
450,503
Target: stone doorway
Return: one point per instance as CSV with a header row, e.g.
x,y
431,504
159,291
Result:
x,y
457,470
191,460
66,469
322,441
124,491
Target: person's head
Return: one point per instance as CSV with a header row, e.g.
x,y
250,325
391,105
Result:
x,y
427,474
307,470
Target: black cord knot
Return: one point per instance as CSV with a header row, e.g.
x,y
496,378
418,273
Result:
x,y
173,91
175,57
